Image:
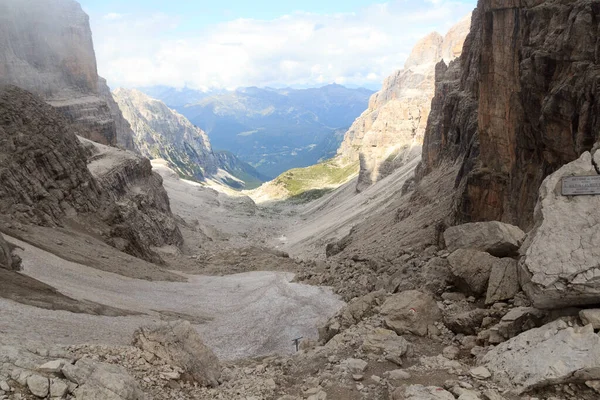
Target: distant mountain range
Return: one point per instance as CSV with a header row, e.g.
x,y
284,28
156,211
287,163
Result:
x,y
274,130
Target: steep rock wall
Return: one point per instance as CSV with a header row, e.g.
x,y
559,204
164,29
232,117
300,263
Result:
x,y
390,132
522,101
46,48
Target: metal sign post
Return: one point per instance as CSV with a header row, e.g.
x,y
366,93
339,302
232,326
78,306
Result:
x,y
297,343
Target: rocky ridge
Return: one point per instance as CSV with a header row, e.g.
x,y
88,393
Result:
x,y
57,62
164,133
390,132
51,179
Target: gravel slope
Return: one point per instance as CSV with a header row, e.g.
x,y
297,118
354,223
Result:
x,y
245,315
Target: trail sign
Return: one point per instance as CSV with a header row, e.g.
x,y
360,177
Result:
x,y
581,185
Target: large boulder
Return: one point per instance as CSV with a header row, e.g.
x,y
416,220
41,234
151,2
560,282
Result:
x,y
411,312
178,344
552,354
560,266
100,381
471,270
504,281
497,238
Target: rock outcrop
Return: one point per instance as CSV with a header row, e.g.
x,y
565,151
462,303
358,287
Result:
x,y
390,132
49,177
161,132
46,48
560,266
520,102
552,354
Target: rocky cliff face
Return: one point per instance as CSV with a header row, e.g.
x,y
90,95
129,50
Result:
x,y
521,102
49,178
46,48
390,132
161,132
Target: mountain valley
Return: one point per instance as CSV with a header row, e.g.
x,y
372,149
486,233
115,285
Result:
x,y
415,243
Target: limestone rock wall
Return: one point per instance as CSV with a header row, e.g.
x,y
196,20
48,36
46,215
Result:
x,y
522,101
390,132
46,48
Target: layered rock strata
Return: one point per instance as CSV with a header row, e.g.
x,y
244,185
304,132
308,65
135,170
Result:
x,y
49,178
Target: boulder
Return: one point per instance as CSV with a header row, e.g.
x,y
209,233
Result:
x,y
180,345
504,281
466,322
411,312
496,238
38,385
420,392
471,270
591,316
100,381
552,354
388,343
560,266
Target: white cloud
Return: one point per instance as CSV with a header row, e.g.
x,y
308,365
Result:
x,y
113,16
301,49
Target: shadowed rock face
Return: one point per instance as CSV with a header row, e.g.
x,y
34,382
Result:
x,y
390,132
522,101
46,48
49,178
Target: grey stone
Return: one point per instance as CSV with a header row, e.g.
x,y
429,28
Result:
x,y
58,388
420,392
354,365
99,380
480,373
552,354
466,322
504,281
179,344
384,341
411,312
472,269
38,385
496,238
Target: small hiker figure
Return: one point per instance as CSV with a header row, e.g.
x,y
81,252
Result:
x,y
297,343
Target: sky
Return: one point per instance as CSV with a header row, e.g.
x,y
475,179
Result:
x,y
237,43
